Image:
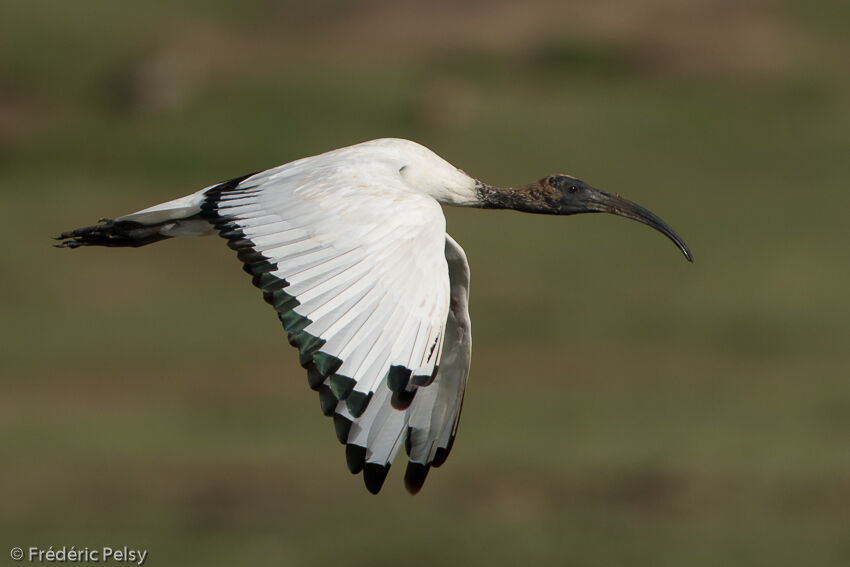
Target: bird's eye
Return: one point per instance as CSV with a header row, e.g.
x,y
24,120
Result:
x,y
572,189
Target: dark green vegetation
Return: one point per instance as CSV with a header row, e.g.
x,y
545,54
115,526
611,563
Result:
x,y
625,407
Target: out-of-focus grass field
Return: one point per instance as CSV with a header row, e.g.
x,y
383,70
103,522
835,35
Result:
x,y
624,407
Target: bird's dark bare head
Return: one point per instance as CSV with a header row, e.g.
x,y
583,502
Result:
x,y
563,194
573,194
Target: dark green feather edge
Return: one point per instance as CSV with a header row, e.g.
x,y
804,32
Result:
x,y
321,367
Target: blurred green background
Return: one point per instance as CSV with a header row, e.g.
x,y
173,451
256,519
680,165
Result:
x,y
624,407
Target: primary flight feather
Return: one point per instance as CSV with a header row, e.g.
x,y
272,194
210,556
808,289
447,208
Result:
x,y
350,248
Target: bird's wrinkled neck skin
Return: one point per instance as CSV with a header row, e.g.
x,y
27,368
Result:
x,y
537,197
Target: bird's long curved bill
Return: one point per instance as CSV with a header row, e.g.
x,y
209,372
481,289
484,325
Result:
x,y
602,202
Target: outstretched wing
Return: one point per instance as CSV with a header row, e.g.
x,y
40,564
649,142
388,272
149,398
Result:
x,y
355,266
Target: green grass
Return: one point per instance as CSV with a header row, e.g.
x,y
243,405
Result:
x,y
624,408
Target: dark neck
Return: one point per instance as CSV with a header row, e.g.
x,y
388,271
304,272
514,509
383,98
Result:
x,y
536,197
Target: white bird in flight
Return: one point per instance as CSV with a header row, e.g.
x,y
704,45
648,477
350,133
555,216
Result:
x,y
350,248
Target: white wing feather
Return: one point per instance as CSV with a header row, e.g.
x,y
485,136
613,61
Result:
x,y
355,261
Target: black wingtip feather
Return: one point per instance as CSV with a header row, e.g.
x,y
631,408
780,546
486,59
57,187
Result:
x,y
414,476
441,454
342,425
341,386
314,377
402,399
398,377
355,458
327,400
357,402
248,255
239,244
374,476
326,363
235,234
423,380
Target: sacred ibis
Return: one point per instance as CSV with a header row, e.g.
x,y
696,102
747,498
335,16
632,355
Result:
x,y
350,248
